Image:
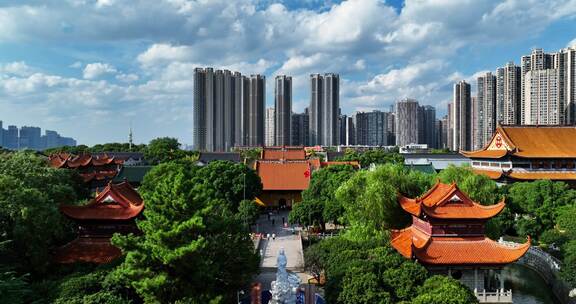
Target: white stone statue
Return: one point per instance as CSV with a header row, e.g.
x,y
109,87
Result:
x,y
286,285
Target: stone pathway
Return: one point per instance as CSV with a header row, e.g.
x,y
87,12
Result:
x,y
269,248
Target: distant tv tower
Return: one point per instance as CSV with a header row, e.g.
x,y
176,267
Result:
x,y
130,138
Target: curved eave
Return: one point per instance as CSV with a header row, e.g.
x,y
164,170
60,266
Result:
x,y
483,252
410,205
101,213
495,175
490,154
476,211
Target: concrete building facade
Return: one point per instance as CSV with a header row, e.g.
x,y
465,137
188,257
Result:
x,y
283,110
406,122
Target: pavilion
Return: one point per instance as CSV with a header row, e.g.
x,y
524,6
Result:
x,y
527,153
447,236
112,211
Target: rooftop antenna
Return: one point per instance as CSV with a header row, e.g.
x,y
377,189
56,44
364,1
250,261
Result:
x,y
130,138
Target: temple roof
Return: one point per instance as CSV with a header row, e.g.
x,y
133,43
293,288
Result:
x,y
88,250
529,142
285,153
527,175
479,250
277,175
115,202
66,160
447,201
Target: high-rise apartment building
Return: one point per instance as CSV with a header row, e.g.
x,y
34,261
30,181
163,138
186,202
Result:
x,y
406,122
443,132
349,132
461,117
300,129
427,126
391,127
541,99
508,94
30,138
11,138
283,107
371,128
270,128
226,106
256,110
542,85
450,127
324,109
485,117
2,132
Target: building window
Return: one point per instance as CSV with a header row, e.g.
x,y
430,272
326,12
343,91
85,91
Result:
x,y
506,166
494,165
485,164
475,163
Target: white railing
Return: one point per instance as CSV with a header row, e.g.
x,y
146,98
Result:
x,y
499,296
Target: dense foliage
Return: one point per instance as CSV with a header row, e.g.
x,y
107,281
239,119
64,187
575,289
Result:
x,y
370,198
319,205
372,272
376,157
192,248
109,147
30,222
166,149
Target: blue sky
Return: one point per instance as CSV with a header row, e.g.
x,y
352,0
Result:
x,y
90,68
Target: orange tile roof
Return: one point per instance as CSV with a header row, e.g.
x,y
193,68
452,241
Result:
x,y
542,175
66,160
447,201
531,142
495,154
88,250
115,202
491,174
286,153
456,250
291,175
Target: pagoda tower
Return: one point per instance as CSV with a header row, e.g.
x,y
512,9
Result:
x,y
447,236
112,211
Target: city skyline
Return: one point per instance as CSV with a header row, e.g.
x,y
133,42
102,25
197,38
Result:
x,y
131,70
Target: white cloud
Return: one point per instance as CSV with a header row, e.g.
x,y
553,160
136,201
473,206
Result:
x,y
127,78
97,69
571,43
162,53
19,68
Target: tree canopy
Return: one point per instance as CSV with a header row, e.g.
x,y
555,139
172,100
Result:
x,y
318,202
375,156
30,222
192,247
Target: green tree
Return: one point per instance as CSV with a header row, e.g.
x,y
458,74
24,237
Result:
x,y
537,203
13,288
229,181
375,156
444,290
478,187
192,247
318,201
248,212
360,286
163,149
30,193
370,198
